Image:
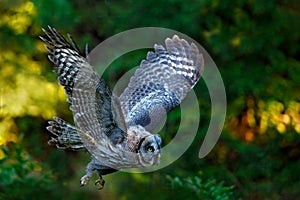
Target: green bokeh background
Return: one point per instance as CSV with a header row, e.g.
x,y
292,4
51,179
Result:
x,y
255,45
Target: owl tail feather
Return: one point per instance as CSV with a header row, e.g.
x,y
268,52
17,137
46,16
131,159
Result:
x,y
64,135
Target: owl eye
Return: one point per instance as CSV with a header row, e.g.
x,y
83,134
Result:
x,y
150,148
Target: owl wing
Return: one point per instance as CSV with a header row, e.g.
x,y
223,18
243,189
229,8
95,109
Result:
x,y
161,82
96,110
89,96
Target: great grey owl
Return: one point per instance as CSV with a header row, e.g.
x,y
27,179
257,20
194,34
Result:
x,y
116,131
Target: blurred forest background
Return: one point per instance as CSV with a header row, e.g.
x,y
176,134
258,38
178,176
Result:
x,y
255,45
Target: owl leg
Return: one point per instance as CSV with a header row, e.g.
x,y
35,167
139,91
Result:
x,y
100,182
89,172
101,170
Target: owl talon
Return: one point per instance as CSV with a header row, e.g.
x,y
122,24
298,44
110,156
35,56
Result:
x,y
84,180
100,183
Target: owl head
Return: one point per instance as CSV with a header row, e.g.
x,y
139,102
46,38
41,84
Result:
x,y
146,145
149,150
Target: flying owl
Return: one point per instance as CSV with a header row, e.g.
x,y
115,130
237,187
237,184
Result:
x,y
116,131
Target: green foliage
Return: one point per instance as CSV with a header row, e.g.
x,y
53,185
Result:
x,y
23,178
197,188
62,12
254,43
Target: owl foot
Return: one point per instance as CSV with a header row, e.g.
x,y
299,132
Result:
x,y
100,183
84,180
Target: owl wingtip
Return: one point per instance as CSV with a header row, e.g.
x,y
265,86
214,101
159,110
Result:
x,y
175,37
49,128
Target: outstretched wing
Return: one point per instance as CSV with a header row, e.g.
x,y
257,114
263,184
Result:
x,y
73,71
161,82
90,100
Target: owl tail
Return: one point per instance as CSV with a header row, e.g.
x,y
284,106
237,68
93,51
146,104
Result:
x,y
64,135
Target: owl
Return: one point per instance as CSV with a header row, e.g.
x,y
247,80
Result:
x,y
117,130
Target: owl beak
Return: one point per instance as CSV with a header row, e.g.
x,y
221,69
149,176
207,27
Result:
x,y
158,158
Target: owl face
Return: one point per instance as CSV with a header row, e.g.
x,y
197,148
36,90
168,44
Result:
x,y
146,145
149,150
